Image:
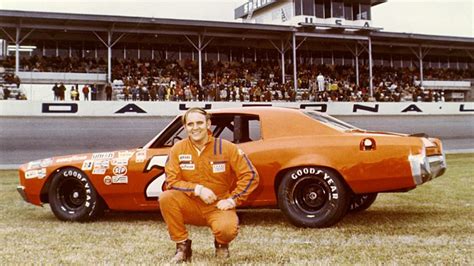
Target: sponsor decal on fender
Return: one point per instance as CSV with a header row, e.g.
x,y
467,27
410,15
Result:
x,y
107,180
101,164
87,165
71,159
140,156
125,154
39,173
33,164
123,179
102,155
46,162
98,171
119,161
120,170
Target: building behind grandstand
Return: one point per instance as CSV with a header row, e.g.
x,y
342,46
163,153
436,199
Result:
x,y
249,61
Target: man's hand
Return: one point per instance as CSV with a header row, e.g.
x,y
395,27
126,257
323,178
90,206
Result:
x,y
205,194
226,204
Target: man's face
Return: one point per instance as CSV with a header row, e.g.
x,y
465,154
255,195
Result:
x,y
196,126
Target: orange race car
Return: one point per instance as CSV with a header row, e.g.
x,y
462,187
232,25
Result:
x,y
314,167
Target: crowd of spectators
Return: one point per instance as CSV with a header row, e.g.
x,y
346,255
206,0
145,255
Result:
x,y
260,81
57,64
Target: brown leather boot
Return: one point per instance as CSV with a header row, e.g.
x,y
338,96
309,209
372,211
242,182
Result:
x,y
222,250
183,252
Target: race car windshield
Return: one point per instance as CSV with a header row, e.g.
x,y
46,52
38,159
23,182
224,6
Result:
x,y
330,121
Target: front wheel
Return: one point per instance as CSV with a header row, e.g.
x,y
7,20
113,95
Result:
x,y
362,202
73,198
313,197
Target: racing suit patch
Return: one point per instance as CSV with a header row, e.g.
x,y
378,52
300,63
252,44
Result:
x,y
218,168
187,166
185,157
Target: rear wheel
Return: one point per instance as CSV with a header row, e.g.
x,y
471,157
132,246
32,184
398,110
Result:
x,y
313,197
362,202
73,198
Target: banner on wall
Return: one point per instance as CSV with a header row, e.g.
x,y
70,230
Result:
x,y
121,108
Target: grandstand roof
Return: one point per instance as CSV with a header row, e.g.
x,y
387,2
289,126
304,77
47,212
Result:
x,y
49,26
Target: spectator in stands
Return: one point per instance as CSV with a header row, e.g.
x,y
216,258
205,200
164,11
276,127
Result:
x,y
320,80
152,92
85,91
135,93
126,93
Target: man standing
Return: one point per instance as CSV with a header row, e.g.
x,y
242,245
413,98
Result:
x,y
108,92
94,92
85,91
201,171
56,92
62,91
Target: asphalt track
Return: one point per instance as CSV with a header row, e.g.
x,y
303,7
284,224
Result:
x,y
24,139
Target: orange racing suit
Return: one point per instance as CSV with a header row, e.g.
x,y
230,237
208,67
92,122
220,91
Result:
x,y
222,167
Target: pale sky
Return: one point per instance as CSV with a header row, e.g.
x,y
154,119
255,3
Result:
x,y
435,17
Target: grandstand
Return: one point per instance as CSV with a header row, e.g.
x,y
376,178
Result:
x,y
253,60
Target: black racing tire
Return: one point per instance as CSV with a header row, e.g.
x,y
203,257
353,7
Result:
x,y
313,197
72,197
361,202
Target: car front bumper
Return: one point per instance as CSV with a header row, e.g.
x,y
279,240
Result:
x,y
21,190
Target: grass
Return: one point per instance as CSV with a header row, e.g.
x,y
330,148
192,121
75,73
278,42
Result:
x,y
432,224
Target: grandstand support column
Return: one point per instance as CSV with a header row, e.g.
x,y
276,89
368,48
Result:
x,y
282,52
421,65
109,44
199,47
371,85
17,42
109,57
17,51
282,63
295,69
200,59
357,64
420,54
356,53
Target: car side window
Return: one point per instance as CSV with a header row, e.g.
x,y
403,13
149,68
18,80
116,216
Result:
x,y
254,130
236,128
